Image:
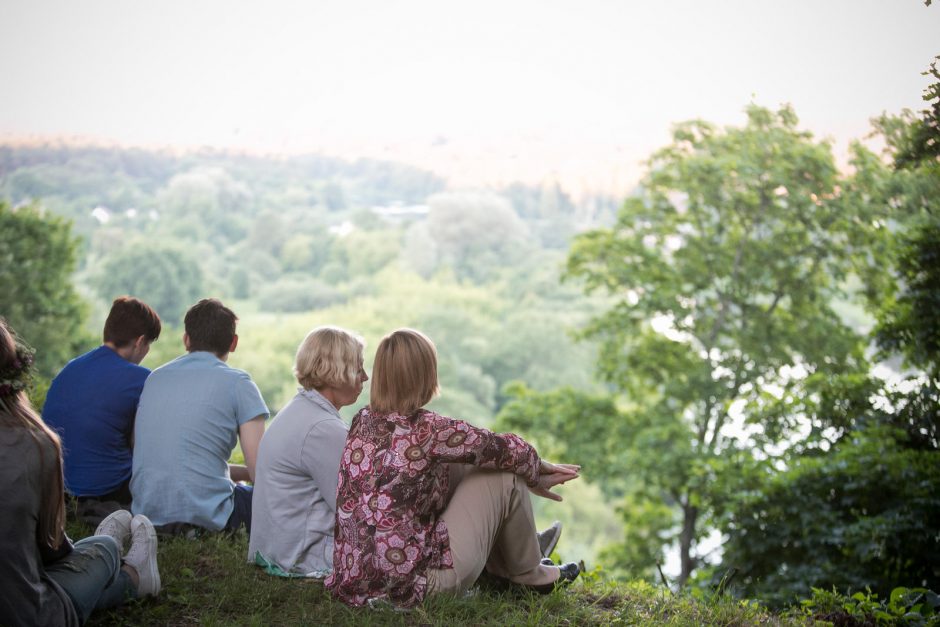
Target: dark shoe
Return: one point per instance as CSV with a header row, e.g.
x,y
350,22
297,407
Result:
x,y
566,574
548,539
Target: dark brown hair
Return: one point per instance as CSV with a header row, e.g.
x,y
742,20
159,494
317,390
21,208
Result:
x,y
404,374
16,412
129,319
210,326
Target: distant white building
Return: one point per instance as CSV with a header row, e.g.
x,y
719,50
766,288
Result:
x,y
343,229
399,212
101,214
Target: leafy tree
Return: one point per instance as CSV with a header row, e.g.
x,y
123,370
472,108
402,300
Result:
x,y
206,203
476,233
906,306
724,268
164,277
298,293
37,258
863,513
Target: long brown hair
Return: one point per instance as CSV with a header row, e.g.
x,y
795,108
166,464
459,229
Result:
x,y
16,412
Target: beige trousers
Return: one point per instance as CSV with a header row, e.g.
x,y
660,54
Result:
x,y
490,523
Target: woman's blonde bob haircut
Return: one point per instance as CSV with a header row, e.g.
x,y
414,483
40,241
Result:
x,y
329,357
404,374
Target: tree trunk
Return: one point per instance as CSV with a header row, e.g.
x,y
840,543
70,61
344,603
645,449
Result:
x,y
689,516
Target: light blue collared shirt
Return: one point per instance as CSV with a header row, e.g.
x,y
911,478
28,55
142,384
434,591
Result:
x,y
186,428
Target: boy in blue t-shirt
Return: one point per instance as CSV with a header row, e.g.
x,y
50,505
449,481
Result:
x,y
93,400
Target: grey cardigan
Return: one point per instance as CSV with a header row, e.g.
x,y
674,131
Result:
x,y
294,501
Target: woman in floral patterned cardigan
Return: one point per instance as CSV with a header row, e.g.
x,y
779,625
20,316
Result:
x,y
426,502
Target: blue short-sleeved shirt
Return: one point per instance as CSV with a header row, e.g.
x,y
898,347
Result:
x,y
187,425
91,404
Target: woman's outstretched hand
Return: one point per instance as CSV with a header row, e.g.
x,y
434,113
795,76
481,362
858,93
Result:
x,y
551,475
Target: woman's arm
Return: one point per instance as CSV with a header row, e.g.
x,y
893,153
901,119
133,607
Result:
x,y
456,441
551,475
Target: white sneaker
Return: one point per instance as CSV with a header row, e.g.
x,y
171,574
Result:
x,y
117,525
142,556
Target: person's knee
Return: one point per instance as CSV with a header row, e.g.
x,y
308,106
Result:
x,y
106,546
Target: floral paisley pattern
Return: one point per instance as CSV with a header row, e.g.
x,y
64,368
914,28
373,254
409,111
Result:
x,y
393,485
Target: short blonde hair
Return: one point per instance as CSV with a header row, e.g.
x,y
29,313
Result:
x,y
404,375
329,357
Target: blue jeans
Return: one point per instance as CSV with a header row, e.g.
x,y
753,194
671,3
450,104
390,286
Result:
x,y
92,577
241,513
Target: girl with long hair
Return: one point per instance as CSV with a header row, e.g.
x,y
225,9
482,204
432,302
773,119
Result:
x,y
44,578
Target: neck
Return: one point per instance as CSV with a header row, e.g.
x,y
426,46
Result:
x,y
331,394
222,357
125,352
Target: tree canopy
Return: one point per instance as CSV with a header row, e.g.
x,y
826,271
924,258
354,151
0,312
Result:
x,y
37,257
724,269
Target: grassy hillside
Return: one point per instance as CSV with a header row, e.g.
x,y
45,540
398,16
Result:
x,y
206,581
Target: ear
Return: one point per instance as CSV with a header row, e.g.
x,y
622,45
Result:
x,y
186,341
140,341
231,348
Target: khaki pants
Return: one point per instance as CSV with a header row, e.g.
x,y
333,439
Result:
x,y
490,523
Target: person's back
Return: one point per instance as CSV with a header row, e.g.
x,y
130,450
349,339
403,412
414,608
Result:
x,y
191,413
294,503
44,578
93,400
91,404
28,595
293,514
187,427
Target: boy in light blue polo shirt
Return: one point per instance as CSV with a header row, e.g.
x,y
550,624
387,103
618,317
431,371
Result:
x,y
191,413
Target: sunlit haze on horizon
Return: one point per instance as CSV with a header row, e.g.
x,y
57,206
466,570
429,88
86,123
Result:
x,y
483,93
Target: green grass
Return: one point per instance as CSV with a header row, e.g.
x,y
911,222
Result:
x,y
206,581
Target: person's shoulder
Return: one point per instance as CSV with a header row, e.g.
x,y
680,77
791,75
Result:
x,y
173,364
132,370
165,372
79,363
236,372
303,408
431,416
207,361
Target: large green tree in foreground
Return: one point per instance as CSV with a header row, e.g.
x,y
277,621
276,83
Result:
x,y
37,258
865,512
724,269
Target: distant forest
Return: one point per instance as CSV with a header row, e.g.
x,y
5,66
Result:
x,y
294,235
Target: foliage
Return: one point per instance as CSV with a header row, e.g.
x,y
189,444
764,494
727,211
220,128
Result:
x,y
863,515
165,277
568,424
724,269
907,321
298,293
904,606
923,138
37,258
476,233
854,505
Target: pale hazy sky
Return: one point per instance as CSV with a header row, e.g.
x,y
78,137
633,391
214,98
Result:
x,y
482,91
